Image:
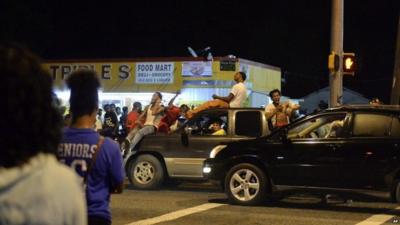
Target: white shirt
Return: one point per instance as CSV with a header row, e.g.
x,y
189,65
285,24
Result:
x,y
98,125
152,120
239,92
149,117
42,191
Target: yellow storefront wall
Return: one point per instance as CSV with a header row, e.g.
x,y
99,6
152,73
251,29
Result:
x,y
264,80
121,76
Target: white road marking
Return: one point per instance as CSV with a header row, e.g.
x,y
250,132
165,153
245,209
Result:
x,y
177,214
378,219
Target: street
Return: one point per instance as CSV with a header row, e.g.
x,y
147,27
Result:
x,y
203,203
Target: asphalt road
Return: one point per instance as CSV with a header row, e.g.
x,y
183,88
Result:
x,y
199,203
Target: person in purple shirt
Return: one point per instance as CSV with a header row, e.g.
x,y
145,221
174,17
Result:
x,y
102,172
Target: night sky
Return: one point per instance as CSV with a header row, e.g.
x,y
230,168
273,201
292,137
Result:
x,y
293,35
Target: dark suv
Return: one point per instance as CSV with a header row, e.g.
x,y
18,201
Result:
x,y
350,148
181,154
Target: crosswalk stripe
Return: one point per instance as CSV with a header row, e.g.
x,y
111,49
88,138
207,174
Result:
x,y
378,219
177,214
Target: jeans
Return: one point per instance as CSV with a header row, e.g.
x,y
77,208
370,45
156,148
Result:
x,y
138,134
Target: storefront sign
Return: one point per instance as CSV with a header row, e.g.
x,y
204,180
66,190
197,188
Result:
x,y
119,76
197,69
155,73
227,65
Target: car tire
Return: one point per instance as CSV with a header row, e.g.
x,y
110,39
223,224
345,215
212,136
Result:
x,y
396,191
146,172
246,184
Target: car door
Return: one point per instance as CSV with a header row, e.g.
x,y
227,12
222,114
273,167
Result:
x,y
308,156
185,154
371,153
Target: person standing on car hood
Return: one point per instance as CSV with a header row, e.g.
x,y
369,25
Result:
x,y
95,158
34,187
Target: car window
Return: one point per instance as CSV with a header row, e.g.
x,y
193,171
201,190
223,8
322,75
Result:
x,y
326,126
371,125
248,123
395,131
210,124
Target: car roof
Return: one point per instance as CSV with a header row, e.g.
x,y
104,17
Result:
x,y
373,108
219,110
232,109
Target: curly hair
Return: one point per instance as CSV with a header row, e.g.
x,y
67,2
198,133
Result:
x,y
84,99
273,91
30,122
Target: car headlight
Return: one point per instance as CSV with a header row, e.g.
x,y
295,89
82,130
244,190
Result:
x,y
215,150
206,169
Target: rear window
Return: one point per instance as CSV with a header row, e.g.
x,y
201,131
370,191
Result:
x,y
371,125
248,124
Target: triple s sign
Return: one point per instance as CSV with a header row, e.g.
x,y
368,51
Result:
x,y
146,73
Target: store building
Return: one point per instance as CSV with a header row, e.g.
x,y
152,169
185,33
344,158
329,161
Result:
x,y
127,80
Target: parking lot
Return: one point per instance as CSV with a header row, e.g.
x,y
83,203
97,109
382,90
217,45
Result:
x,y
203,203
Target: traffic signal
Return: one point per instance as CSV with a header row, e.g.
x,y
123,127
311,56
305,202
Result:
x,y
349,63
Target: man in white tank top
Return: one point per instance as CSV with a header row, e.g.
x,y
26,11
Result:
x,y
152,115
235,99
238,93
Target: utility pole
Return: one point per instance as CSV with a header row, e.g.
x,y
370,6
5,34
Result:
x,y
336,77
395,98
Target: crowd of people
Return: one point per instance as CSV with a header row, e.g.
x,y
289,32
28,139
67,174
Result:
x,y
142,121
55,175
56,170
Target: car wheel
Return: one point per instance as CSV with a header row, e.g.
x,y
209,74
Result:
x,y
146,172
246,184
396,191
